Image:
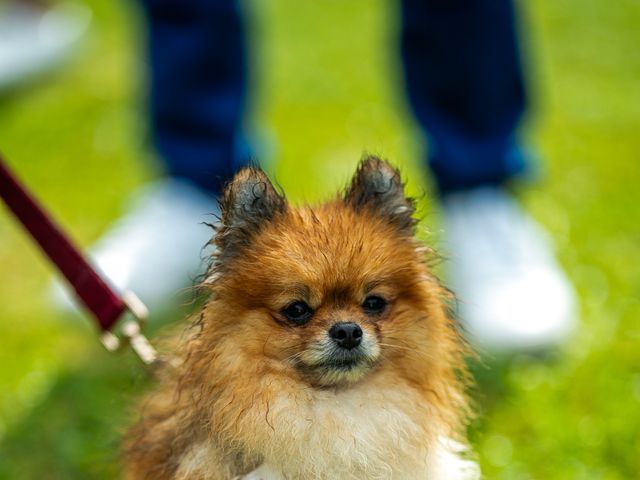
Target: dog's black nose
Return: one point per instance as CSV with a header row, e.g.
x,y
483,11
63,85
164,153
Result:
x,y
346,335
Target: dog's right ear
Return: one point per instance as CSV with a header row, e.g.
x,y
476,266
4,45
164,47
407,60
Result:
x,y
248,203
377,187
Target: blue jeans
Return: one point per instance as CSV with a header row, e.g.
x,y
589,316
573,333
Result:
x,y
462,71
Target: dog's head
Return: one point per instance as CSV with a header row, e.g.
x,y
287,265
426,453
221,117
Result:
x,y
327,294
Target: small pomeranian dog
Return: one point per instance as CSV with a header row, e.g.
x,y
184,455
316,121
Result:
x,y
325,350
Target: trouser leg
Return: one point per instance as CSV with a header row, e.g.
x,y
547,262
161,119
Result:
x,y
198,77
465,83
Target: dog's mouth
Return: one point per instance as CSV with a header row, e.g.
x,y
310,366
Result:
x,y
336,366
342,365
344,360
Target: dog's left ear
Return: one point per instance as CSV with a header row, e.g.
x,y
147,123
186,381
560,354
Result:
x,y
248,203
378,188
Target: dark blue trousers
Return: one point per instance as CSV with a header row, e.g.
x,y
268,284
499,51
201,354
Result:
x,y
462,70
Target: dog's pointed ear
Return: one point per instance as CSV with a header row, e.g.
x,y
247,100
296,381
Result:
x,y
248,203
378,188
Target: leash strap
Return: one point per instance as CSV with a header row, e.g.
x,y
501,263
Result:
x,y
99,298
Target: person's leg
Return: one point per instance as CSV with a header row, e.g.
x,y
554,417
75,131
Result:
x,y
465,84
198,83
198,76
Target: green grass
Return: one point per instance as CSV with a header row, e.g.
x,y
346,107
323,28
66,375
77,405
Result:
x,y
327,87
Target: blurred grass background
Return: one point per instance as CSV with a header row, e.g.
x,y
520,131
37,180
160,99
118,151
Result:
x,y
327,87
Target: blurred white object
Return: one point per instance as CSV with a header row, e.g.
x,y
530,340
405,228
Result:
x,y
264,472
512,294
154,249
34,40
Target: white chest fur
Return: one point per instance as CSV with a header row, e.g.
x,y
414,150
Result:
x,y
364,432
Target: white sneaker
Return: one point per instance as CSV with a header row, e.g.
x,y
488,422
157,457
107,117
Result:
x,y
35,40
512,294
155,249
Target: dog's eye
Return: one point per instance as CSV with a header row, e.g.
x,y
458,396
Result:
x,y
297,312
374,304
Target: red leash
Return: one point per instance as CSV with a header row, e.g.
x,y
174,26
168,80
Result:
x,y
99,298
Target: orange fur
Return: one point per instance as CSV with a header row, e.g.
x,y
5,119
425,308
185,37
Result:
x,y
239,398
